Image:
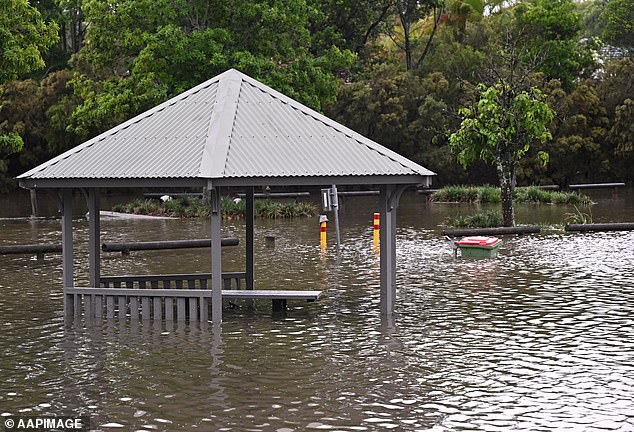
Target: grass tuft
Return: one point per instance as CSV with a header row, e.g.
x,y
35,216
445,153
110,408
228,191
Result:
x,y
578,217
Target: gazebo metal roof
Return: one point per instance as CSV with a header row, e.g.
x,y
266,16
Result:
x,y
232,130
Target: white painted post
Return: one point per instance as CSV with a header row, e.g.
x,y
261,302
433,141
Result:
x,y
216,258
94,235
387,251
335,207
67,250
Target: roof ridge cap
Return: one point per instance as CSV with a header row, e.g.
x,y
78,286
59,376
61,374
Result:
x,y
213,158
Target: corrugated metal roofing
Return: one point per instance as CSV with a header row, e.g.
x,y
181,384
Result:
x,y
228,127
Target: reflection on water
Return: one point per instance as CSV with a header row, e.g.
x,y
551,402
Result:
x,y
539,339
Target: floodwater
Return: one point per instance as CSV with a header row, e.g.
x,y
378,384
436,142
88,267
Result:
x,y
539,339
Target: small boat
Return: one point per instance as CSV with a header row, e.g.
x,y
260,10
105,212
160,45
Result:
x,y
478,246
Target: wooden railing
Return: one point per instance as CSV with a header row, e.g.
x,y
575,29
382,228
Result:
x,y
230,280
145,304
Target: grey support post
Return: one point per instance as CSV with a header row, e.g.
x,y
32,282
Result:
x,y
249,219
387,252
389,198
94,228
216,258
67,250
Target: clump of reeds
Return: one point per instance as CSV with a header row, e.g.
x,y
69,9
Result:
x,y
491,194
486,219
186,207
579,217
533,194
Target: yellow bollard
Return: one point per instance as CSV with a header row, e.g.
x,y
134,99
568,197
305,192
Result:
x,y
322,231
377,224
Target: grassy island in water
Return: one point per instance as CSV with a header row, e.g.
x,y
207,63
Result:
x,y
186,207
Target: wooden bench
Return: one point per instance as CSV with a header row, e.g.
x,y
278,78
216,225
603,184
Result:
x,y
279,297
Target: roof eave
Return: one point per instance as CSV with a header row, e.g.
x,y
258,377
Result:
x,y
79,183
323,180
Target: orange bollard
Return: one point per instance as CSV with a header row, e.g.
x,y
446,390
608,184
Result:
x,y
322,231
377,225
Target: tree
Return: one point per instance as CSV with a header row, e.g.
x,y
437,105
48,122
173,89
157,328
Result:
x,y
138,53
24,112
621,135
412,28
23,37
500,128
579,152
348,24
461,11
618,18
615,87
553,29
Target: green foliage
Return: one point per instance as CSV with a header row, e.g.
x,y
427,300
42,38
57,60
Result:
x,y
274,209
590,13
579,134
23,37
501,126
618,18
553,39
455,194
486,219
401,110
25,129
138,53
111,102
347,24
11,143
459,12
622,132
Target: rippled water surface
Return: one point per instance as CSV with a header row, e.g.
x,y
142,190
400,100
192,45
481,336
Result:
x,y
539,339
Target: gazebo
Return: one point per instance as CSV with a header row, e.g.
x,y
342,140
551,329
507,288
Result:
x,y
230,131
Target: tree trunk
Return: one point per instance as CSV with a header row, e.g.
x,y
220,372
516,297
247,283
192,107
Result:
x,y
407,43
431,37
506,190
508,215
62,38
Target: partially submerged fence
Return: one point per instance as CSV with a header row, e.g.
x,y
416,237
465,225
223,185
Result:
x,y
177,297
